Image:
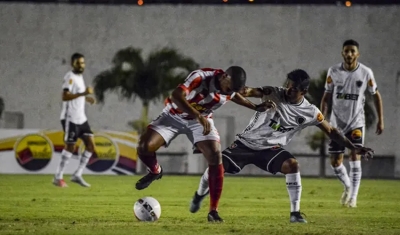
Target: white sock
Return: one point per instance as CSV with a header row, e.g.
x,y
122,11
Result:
x,y
341,174
293,185
65,156
203,186
355,178
84,160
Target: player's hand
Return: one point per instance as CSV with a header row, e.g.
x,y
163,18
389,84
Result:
x,y
366,153
269,104
89,91
205,123
379,127
90,100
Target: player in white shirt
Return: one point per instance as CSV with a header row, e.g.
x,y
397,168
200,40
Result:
x,y
74,121
345,89
261,143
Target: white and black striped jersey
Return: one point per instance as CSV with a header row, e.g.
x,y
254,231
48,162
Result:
x,y
74,110
348,95
277,127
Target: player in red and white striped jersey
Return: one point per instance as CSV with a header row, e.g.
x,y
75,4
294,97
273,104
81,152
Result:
x,y
189,111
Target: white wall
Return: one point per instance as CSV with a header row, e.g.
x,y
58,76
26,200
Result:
x,y
268,41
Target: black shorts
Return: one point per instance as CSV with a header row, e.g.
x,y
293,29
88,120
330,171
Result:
x,y
74,131
356,136
237,156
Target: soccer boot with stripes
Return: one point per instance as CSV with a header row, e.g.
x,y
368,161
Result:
x,y
345,197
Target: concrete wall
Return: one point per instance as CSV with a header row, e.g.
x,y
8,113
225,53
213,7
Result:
x,y
36,42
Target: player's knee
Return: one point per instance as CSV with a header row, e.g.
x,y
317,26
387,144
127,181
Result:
x,y
290,166
70,148
336,160
213,157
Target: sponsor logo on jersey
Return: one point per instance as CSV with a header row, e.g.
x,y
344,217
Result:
x,y
329,80
370,82
198,107
356,134
277,127
320,117
344,96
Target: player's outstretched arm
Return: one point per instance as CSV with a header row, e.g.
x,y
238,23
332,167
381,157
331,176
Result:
x,y
67,96
334,134
240,100
252,92
379,109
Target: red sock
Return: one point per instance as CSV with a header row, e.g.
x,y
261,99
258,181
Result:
x,y
150,161
215,182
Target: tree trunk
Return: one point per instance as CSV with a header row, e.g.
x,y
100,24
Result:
x,y
322,161
145,111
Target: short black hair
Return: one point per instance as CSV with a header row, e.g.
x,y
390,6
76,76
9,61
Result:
x,y
238,77
300,78
351,42
76,56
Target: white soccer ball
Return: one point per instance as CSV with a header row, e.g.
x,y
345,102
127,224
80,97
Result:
x,y
147,209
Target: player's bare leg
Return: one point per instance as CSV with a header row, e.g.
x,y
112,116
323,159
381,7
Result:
x,y
66,155
211,150
341,173
89,150
355,178
149,143
290,168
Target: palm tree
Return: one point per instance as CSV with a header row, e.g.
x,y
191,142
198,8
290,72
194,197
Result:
x,y
2,106
317,140
151,80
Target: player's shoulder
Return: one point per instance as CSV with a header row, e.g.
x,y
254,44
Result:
x,y
309,108
335,68
205,72
364,68
70,75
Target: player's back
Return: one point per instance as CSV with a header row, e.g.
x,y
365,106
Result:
x,y
74,110
277,127
201,92
348,94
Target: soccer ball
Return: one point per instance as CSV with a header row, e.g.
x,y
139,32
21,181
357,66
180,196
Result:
x,y
147,209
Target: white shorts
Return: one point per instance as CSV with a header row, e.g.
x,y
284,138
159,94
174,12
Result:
x,y
170,126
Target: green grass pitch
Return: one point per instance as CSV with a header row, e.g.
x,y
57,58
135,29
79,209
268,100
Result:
x,y
30,204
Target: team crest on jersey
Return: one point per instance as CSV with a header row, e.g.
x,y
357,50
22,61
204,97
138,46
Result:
x,y
300,120
359,83
197,107
70,81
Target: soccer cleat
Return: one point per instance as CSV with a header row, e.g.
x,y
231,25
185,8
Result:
x,y
146,180
214,217
297,217
79,180
345,197
59,183
195,204
352,203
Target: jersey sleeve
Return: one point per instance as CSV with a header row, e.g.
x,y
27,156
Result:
x,y
68,83
317,118
372,86
329,82
193,81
